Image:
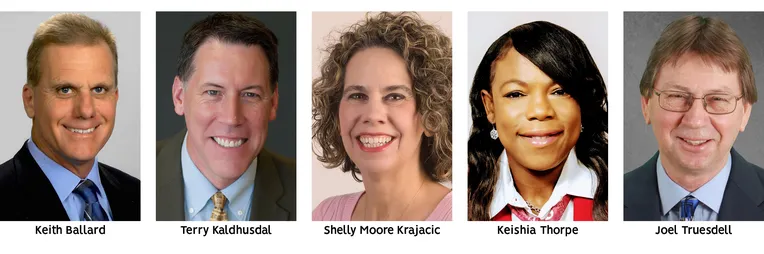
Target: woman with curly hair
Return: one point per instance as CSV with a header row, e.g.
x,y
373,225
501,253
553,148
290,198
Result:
x,y
382,111
538,145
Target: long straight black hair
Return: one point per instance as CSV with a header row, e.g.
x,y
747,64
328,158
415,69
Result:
x,y
562,56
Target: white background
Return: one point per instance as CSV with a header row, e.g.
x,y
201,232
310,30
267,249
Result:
x,y
305,236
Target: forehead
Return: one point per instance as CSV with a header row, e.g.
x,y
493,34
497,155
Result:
x,y
514,66
230,64
692,73
376,67
92,63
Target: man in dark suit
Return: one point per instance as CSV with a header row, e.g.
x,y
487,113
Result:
x,y
71,96
696,174
227,89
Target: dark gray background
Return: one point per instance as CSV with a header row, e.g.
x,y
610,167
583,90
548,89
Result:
x,y
171,26
641,31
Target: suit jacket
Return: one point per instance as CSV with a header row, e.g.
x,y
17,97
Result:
x,y
31,197
743,198
273,198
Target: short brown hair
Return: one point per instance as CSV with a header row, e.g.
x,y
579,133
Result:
x,y
427,53
229,28
712,39
67,29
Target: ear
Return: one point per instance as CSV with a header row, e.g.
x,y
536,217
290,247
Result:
x,y
177,96
27,96
488,105
427,133
646,109
747,107
274,102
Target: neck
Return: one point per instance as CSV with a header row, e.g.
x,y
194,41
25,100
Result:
x,y
535,186
78,168
390,194
691,180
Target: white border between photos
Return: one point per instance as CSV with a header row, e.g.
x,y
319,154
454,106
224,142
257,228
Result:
x,y
307,236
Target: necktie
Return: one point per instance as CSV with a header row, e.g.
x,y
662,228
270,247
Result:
x,y
687,208
87,190
218,212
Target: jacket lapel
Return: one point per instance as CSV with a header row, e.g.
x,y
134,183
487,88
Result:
x,y
268,190
642,202
744,195
170,199
40,200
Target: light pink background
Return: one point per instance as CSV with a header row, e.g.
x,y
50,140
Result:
x,y
327,26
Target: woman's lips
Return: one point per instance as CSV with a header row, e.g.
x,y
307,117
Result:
x,y
540,138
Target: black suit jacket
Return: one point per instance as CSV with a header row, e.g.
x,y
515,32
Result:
x,y
273,198
743,198
31,197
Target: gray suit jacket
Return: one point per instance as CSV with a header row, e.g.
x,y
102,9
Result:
x,y
743,198
273,198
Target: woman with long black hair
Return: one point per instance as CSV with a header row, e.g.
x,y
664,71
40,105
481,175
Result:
x,y
538,144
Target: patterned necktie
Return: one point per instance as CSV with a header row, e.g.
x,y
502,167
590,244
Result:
x,y
687,208
218,212
87,190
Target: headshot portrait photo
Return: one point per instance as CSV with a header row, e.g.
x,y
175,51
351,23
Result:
x,y
381,116
226,116
538,141
70,147
693,132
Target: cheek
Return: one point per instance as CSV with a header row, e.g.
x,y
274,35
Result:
x,y
508,115
727,126
107,109
665,122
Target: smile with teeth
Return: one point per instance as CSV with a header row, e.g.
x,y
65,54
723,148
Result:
x,y
81,131
374,141
540,140
695,142
229,143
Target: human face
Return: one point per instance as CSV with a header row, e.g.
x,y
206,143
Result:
x,y
74,104
379,125
227,102
537,121
695,140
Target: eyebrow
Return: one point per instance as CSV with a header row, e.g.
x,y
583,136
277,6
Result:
x,y
59,84
388,89
256,87
404,88
672,85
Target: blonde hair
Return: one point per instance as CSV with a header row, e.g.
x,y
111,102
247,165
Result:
x,y
67,29
712,39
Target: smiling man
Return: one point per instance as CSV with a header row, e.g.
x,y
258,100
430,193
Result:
x,y
697,93
71,96
227,89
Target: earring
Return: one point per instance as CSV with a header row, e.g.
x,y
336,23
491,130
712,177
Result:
x,y
582,128
494,133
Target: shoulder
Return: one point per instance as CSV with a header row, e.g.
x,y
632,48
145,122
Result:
x,y
336,208
285,166
171,143
123,180
442,212
8,175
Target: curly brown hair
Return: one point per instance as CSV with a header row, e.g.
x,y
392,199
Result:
x,y
427,53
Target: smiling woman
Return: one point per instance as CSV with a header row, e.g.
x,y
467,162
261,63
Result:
x,y
538,145
382,111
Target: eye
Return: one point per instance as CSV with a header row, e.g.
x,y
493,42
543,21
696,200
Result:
x,y
357,96
559,92
514,94
65,90
250,95
212,92
99,90
395,97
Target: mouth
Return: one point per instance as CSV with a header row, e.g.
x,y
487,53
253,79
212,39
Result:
x,y
229,142
694,141
374,141
82,131
540,138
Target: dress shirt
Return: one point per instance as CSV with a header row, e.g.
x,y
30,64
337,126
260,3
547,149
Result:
x,y
64,182
710,194
575,180
198,191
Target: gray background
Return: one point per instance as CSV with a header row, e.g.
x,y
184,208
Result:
x,y
641,31
171,26
17,28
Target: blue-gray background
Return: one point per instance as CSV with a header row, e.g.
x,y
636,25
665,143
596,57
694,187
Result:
x,y
641,31
171,26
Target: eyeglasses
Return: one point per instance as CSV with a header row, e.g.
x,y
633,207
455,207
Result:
x,y
714,103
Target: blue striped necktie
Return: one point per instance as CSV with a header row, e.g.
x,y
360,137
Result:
x,y
687,208
87,190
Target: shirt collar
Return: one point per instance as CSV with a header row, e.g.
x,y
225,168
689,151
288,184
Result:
x,y
575,180
63,180
198,196
710,194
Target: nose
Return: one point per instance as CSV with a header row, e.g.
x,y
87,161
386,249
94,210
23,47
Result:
x,y
84,106
374,112
696,116
232,112
539,108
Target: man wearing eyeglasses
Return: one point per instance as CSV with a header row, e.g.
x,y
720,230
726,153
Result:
x,y
697,94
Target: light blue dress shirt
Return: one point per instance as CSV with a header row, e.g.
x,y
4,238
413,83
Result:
x,y
710,194
198,191
64,182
